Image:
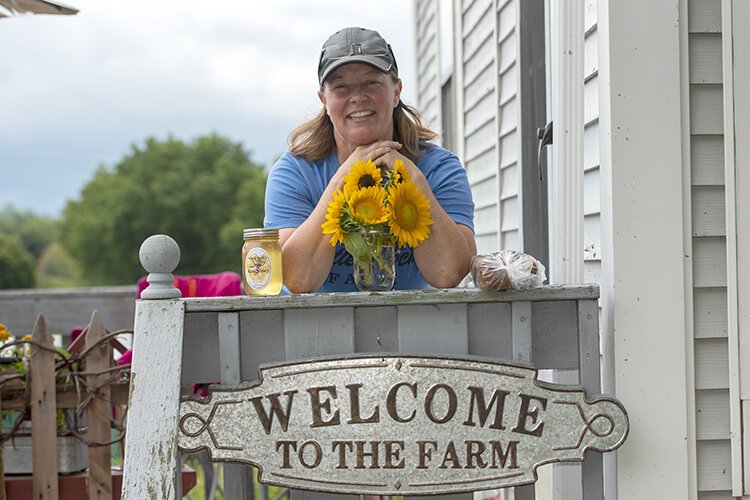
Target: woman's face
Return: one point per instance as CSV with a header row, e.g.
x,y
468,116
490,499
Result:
x,y
359,100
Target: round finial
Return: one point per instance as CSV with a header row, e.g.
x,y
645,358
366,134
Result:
x,y
159,256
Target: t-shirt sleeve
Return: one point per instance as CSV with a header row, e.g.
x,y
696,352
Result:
x,y
288,200
450,185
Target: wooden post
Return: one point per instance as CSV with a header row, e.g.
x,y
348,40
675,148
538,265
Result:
x,y
151,456
99,413
43,410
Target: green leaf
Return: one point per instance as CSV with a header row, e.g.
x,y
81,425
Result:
x,y
355,245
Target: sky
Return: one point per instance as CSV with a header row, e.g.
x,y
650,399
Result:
x,y
77,92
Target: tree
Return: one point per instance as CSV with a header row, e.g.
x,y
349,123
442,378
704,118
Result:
x,y
193,192
16,265
56,268
34,232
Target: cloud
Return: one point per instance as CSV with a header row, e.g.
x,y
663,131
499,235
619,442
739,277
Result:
x,y
78,90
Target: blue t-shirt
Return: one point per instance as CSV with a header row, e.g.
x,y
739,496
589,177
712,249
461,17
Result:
x,y
295,186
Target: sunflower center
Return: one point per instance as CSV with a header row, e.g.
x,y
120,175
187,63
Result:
x,y
366,210
408,215
366,181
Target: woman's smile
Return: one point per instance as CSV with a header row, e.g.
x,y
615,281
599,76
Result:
x,y
360,115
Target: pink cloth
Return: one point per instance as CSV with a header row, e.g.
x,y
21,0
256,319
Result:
x,y
224,284
126,358
76,332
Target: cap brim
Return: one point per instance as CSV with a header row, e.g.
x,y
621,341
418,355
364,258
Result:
x,y
374,61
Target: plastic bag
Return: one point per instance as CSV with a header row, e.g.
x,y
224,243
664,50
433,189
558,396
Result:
x,y
507,269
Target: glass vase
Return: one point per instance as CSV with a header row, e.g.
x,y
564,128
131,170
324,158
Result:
x,y
375,270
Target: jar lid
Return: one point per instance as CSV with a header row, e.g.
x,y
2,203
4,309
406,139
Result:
x,y
260,233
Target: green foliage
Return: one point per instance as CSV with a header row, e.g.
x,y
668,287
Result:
x,y
56,268
35,232
16,264
201,193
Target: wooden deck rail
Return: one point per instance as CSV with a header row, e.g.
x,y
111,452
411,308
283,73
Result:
x,y
179,341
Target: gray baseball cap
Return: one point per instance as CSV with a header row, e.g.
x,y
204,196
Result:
x,y
355,45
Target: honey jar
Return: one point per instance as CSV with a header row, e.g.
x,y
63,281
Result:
x,y
261,262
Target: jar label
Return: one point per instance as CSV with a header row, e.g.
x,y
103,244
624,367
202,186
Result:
x,y
257,268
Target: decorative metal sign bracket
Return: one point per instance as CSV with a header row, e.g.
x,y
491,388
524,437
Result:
x,y
399,425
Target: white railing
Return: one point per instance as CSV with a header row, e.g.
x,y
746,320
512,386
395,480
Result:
x,y
179,341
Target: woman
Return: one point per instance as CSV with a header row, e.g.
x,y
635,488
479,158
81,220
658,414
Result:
x,y
363,118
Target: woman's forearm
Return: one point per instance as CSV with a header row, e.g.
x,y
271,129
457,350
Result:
x,y
307,255
444,259
307,252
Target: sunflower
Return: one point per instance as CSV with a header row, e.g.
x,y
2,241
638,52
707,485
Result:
x,y
363,175
332,225
409,214
400,172
367,205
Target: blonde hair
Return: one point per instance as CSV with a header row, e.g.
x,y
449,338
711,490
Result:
x,y
313,139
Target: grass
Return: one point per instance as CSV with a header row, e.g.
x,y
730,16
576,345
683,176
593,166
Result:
x,y
200,489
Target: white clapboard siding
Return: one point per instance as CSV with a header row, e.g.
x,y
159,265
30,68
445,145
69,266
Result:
x,y
709,211
704,16
592,251
591,192
712,418
706,115
591,151
711,361
710,312
591,47
485,189
480,59
479,142
510,214
708,227
709,262
707,160
486,242
479,107
590,94
485,216
508,120
714,466
705,58
716,495
592,232
484,166
510,179
509,146
428,63
480,113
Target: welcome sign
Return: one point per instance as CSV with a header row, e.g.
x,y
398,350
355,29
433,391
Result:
x,y
387,425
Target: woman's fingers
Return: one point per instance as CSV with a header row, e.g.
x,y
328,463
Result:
x,y
382,153
384,159
377,149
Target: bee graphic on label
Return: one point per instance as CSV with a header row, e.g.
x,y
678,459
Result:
x,y
257,268
258,264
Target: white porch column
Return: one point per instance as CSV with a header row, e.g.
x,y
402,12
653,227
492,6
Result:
x,y
645,226
566,176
